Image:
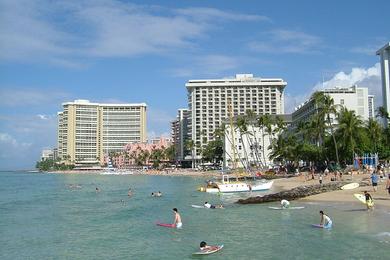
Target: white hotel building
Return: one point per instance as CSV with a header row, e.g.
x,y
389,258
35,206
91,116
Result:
x,y
208,102
88,131
353,98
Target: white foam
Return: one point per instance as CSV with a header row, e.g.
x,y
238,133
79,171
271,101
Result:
x,y
383,234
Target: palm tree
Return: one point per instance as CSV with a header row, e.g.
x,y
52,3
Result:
x,y
242,126
374,130
382,113
261,124
349,129
326,107
251,116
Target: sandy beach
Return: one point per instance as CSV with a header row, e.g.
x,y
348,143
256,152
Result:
x,y
381,196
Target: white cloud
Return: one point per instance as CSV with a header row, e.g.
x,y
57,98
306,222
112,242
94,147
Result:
x,y
205,13
43,117
12,97
6,140
287,41
358,76
362,77
61,33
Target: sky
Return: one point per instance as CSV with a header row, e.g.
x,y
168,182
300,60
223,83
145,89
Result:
x,y
144,51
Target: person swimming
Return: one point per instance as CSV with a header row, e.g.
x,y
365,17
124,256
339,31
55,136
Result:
x,y
204,247
326,222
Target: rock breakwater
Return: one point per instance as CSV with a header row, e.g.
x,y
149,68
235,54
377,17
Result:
x,y
298,192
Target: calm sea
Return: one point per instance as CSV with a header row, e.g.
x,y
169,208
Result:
x,y
41,217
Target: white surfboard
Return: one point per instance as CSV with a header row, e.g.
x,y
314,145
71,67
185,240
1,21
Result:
x,y
198,206
350,186
280,208
209,251
362,199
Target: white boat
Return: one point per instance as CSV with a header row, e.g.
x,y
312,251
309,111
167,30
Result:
x,y
228,186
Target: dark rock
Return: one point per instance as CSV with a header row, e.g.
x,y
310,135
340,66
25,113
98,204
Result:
x,y
298,192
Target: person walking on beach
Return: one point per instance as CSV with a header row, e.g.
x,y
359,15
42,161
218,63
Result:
x,y
177,221
326,222
374,180
388,184
369,200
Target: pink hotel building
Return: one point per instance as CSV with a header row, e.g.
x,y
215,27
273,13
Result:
x,y
126,158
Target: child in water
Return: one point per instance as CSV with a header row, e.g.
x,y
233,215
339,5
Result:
x,y
326,222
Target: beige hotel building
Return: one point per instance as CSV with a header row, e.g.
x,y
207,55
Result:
x,y
208,102
89,131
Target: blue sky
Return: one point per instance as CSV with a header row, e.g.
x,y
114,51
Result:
x,y
145,51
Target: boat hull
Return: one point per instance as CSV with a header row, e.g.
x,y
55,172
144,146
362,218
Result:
x,y
240,187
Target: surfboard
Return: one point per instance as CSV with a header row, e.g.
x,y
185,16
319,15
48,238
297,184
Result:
x,y
350,186
280,208
165,225
317,226
198,207
210,251
362,199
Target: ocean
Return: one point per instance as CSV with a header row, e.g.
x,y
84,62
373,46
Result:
x,y
61,216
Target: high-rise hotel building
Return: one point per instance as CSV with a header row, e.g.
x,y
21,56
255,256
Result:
x,y
353,98
384,53
209,100
88,131
180,133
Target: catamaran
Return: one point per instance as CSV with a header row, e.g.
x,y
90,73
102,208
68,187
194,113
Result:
x,y
230,183
229,186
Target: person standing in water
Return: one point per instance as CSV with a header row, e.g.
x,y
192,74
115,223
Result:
x,y
129,193
326,222
369,200
285,204
177,222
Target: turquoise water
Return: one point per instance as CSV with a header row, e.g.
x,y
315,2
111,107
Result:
x,y
42,218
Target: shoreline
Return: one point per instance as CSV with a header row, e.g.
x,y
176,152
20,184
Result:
x,y
188,173
381,197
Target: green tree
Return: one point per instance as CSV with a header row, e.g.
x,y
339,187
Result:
x,y
190,145
374,131
349,132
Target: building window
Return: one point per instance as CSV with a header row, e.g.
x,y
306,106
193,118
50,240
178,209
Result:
x,y
342,101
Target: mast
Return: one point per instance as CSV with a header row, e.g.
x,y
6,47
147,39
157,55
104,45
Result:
x,y
230,110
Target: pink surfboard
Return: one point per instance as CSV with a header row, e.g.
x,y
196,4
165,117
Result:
x,y
317,226
165,225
